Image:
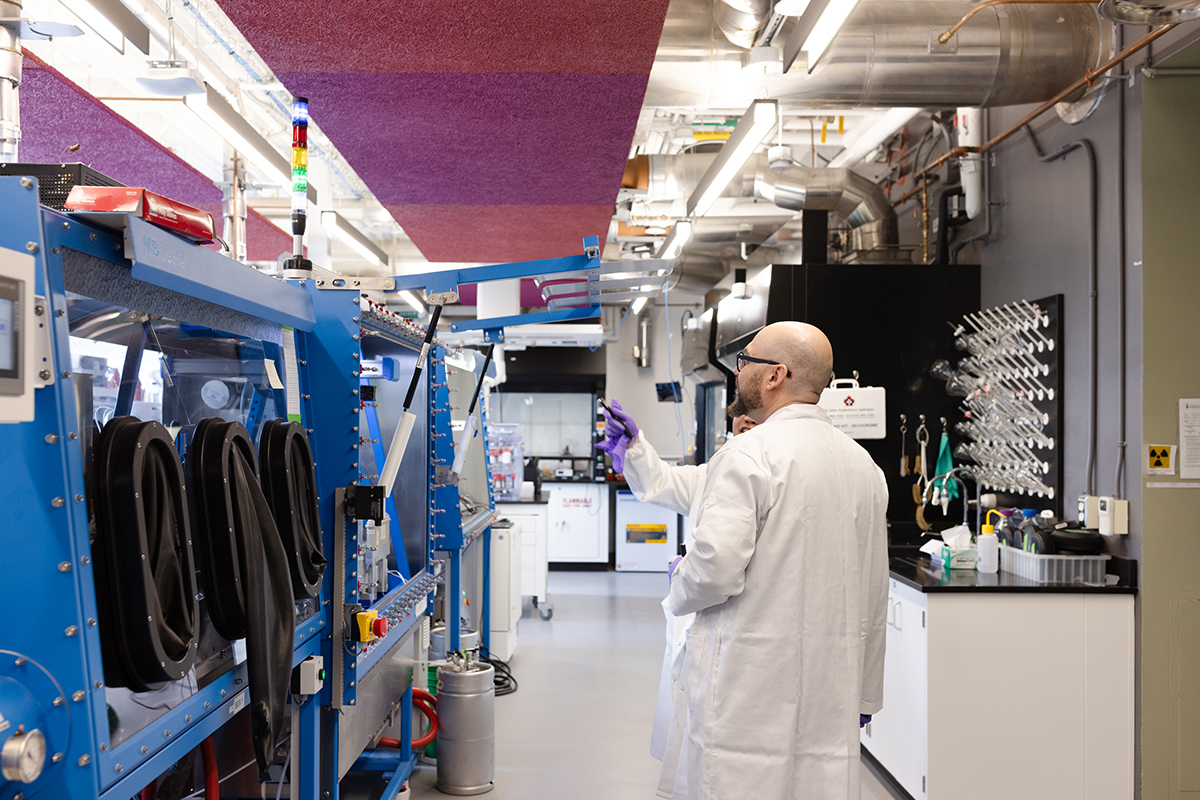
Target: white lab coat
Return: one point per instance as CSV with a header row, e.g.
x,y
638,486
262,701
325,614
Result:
x,y
788,580
677,489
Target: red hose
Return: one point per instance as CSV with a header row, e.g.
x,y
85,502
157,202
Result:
x,y
151,790
421,694
428,738
212,780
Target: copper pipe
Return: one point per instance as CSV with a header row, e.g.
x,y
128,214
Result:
x,y
1087,80
911,193
945,37
924,223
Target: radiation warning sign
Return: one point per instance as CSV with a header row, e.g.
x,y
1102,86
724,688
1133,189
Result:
x,y
1161,459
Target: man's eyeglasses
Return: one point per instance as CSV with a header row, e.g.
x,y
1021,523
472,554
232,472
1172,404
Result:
x,y
743,359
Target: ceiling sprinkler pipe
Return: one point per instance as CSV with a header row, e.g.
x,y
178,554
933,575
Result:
x,y
10,79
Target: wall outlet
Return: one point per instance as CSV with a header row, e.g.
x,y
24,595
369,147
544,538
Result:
x,y
1089,511
1114,516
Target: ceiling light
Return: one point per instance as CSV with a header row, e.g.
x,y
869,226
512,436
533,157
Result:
x,y
681,234
790,8
231,126
112,22
337,225
750,132
638,305
412,300
764,60
815,29
876,134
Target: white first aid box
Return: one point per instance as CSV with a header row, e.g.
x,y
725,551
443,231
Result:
x,y
858,411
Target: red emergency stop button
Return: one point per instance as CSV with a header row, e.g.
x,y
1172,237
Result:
x,y
379,627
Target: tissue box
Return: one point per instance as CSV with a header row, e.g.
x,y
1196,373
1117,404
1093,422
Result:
x,y
955,557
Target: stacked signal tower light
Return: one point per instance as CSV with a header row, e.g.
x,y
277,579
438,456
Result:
x,y
299,184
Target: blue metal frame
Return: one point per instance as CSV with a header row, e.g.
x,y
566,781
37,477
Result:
x,y
44,501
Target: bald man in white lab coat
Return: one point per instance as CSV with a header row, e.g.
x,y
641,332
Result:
x,y
788,581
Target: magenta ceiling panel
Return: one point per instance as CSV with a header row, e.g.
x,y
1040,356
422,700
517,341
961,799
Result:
x,y
493,131
580,36
56,113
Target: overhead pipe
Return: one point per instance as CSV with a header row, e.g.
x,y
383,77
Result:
x,y
857,200
953,29
741,20
887,55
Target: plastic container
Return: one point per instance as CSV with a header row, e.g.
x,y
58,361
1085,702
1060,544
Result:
x,y
988,545
1053,569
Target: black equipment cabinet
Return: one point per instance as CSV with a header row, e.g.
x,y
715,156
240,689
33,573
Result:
x,y
890,323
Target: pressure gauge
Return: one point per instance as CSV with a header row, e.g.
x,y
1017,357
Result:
x,y
215,394
23,756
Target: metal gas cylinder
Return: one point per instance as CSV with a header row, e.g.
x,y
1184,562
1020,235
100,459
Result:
x,y
467,640
466,736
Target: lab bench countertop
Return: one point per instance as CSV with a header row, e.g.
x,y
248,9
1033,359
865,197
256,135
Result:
x,y
916,569
539,499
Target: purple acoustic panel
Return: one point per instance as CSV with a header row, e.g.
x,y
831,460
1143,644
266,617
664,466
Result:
x,y
466,139
468,120
475,36
500,234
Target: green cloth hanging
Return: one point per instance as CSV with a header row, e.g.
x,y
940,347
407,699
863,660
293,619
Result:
x,y
945,463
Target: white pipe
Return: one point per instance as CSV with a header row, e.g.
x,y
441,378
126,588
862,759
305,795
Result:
x,y
391,466
464,441
970,134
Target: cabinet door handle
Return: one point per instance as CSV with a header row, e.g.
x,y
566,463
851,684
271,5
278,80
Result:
x,y
899,623
890,617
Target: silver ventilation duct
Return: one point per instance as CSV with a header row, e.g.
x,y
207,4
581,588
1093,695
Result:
x,y
10,79
888,55
857,200
861,203
740,20
1150,13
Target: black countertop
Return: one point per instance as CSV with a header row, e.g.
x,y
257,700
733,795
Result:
x,y
539,499
916,569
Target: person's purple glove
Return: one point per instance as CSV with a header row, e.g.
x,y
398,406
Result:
x,y
622,417
863,719
620,430
671,569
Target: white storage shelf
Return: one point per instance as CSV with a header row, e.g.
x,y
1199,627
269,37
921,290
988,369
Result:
x,y
968,674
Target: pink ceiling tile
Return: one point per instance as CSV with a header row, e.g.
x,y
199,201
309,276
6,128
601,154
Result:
x,y
476,36
500,234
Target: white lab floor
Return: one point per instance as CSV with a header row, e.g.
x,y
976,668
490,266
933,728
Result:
x,y
579,726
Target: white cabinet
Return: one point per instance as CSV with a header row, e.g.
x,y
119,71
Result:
x,y
505,593
532,518
1002,695
578,522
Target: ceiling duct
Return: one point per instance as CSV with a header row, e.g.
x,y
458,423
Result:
x,y
10,79
857,200
887,54
740,20
1150,13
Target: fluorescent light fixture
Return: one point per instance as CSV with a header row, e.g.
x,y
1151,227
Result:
x,y
412,300
756,123
639,304
346,233
814,30
677,239
112,22
231,126
874,135
790,8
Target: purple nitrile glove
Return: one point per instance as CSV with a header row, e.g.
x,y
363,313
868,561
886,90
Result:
x,y
621,430
863,719
622,417
671,569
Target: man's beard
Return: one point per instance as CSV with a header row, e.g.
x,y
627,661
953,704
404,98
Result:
x,y
745,401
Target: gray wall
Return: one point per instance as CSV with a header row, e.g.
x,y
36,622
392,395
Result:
x,y
1170,599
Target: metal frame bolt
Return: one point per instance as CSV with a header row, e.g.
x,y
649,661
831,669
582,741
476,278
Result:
x,y
64,566
32,247
78,696
58,502
26,183
72,630
85,759
51,438
44,374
